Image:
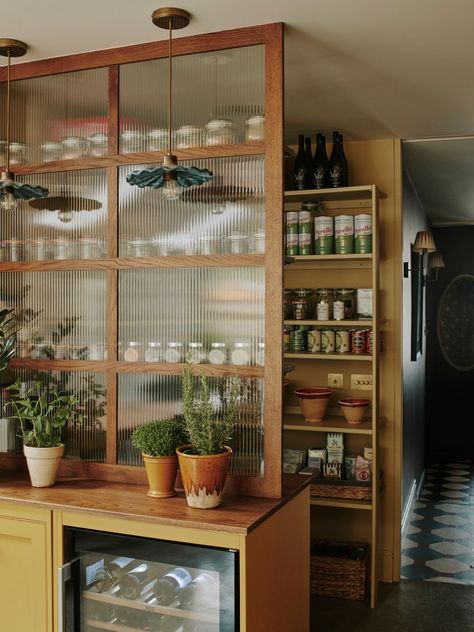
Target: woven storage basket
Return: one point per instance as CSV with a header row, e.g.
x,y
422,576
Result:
x,y
335,488
335,574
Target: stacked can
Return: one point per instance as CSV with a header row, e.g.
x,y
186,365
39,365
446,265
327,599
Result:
x,y
363,234
291,233
344,234
362,341
323,235
305,226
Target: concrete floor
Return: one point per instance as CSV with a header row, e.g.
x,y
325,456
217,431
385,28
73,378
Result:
x,y
404,607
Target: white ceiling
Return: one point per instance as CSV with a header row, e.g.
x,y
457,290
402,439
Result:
x,y
370,68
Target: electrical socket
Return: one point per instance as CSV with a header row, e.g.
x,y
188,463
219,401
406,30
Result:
x,y
335,380
361,382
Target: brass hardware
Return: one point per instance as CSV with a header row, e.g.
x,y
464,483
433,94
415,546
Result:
x,y
179,18
12,47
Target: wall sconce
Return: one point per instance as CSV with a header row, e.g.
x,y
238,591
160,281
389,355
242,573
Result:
x,y
424,244
435,262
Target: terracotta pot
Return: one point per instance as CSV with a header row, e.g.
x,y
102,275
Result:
x,y
43,464
313,402
353,409
203,476
161,472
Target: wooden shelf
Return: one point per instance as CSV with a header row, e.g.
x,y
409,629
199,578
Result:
x,y
363,192
341,503
329,424
142,158
329,356
124,263
328,262
330,323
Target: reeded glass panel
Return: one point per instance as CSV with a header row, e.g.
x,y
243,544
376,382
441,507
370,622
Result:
x,y
85,440
60,315
166,313
206,86
224,216
143,398
56,117
71,223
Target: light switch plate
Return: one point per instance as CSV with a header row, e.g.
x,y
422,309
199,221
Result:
x,y
335,380
361,382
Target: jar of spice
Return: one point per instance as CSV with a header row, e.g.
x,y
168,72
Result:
x,y
18,153
90,248
301,304
15,249
50,151
209,245
98,145
255,128
153,352
349,297
188,136
238,243
324,303
258,242
157,139
196,352
132,352
74,147
131,140
218,353
240,355
174,352
139,248
219,132
61,248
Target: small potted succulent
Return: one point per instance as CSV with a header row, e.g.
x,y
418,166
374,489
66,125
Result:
x,y
204,462
158,441
42,415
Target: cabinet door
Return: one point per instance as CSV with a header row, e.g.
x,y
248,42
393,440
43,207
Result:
x,y
25,574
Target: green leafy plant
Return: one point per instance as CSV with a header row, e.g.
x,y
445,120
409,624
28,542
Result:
x,y
41,414
207,433
7,338
160,437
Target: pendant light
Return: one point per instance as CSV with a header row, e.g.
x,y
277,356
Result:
x,y
11,191
66,205
170,177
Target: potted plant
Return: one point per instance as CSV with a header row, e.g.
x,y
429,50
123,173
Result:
x,y
42,415
204,462
7,344
158,441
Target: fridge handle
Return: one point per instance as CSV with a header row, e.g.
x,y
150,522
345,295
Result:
x,y
64,575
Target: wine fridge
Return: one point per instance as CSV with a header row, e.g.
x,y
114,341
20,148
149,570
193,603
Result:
x,y
124,584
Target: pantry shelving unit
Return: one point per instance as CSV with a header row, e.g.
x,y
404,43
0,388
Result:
x,y
329,518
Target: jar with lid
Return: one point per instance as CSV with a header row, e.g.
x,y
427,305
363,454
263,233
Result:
x,y
61,248
36,249
90,248
218,353
301,304
219,132
240,355
3,152
98,144
196,352
238,243
188,136
174,352
260,355
255,128
15,249
74,147
288,296
18,153
209,244
98,351
349,297
258,242
158,139
51,150
324,303
139,248
133,352
131,140
153,352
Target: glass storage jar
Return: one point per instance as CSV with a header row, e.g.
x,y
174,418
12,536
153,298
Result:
x,y
38,249
324,303
51,150
153,352
238,243
3,152
196,352
61,249
349,297
219,132
258,242
255,128
218,353
174,352
139,248
188,136
301,304
18,153
133,352
158,139
90,248
15,249
74,147
260,356
240,355
98,145
97,351
209,245
132,140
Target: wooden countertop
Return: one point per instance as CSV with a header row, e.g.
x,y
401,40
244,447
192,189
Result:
x,y
237,514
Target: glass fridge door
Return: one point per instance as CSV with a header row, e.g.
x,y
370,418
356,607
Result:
x,y
123,583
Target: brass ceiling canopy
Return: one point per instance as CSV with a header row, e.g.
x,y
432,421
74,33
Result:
x,y
12,47
179,18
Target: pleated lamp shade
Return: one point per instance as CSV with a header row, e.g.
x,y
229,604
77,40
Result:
x,y
424,242
436,260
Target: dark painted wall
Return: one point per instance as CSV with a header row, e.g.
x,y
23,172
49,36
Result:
x,y
449,391
414,220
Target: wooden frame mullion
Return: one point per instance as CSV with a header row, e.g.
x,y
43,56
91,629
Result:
x,y
113,110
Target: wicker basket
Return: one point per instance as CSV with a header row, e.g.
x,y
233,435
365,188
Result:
x,y
335,574
335,488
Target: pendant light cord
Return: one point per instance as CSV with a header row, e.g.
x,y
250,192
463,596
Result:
x,y
8,111
170,79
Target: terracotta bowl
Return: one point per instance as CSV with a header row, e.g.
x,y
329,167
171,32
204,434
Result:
x,y
353,409
314,402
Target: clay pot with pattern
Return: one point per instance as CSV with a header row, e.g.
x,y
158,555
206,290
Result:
x,y
203,476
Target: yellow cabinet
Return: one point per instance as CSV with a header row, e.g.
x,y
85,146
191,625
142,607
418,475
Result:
x,y
25,570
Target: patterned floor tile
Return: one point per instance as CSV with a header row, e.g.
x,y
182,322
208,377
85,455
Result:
x,y
452,533
423,554
450,548
457,479
406,561
448,565
454,494
466,577
409,544
453,520
418,572
455,486
445,580
454,508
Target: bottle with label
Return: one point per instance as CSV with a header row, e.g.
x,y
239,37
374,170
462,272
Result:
x,y
344,161
167,588
100,611
131,585
336,164
201,594
309,162
110,572
301,175
320,164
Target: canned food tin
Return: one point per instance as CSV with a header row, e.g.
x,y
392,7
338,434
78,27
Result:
x,y
298,340
343,343
369,341
338,310
344,234
363,233
328,341
291,222
305,222
358,341
323,235
314,341
304,243
292,247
